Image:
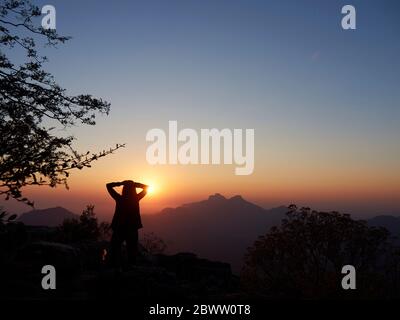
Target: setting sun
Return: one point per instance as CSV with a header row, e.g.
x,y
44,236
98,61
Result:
x,y
151,189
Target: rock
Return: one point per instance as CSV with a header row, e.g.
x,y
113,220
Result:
x,y
79,276
187,266
137,282
182,276
35,255
24,276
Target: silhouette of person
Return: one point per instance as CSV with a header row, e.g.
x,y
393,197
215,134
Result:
x,y
126,221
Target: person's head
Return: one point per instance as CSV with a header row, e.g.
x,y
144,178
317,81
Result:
x,y
129,188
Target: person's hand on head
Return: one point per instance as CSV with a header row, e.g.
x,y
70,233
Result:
x,y
127,182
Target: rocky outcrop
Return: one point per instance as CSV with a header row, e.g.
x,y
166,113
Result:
x,y
182,275
82,274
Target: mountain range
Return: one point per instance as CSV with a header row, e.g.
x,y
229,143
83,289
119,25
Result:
x,y
217,228
50,217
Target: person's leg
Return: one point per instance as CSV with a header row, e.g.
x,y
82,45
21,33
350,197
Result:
x,y
132,240
115,249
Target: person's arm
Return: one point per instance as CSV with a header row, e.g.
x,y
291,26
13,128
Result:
x,y
142,193
140,185
110,188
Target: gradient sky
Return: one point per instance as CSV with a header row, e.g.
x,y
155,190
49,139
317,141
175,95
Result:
x,y
324,102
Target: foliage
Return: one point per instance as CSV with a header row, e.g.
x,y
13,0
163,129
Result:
x,y
305,255
30,99
153,244
86,228
6,218
12,235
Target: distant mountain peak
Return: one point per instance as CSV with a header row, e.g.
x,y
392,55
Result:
x,y
50,217
237,198
216,197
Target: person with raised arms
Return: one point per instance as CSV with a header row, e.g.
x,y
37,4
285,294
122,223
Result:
x,y
126,221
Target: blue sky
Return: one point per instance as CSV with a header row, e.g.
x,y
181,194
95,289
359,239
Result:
x,y
242,59
320,98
